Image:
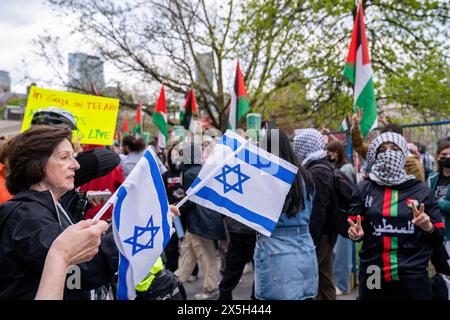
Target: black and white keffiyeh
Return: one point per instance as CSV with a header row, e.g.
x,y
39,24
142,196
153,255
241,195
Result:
x,y
309,145
387,168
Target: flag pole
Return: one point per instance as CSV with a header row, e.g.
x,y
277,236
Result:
x,y
105,207
208,177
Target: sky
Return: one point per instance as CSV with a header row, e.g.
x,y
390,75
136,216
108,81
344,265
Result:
x,y
20,22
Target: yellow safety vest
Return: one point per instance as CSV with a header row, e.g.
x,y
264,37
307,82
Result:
x,y
145,284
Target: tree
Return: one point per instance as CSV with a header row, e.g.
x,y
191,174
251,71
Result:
x,y
165,40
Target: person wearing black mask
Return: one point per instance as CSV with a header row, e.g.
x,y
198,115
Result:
x,y
439,183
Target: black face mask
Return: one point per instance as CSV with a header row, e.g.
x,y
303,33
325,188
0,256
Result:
x,y
445,163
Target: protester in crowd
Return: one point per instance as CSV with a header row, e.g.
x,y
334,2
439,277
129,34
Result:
x,y
173,181
111,181
41,167
133,148
428,161
239,252
77,244
415,155
413,166
204,226
309,148
440,182
286,262
93,163
4,194
398,219
343,249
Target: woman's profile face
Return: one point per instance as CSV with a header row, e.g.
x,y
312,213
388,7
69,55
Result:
x,y
60,168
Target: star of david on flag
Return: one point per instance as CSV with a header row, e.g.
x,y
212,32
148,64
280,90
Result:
x,y
141,223
244,182
227,186
140,232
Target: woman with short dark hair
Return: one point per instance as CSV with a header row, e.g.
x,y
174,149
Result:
x,y
40,168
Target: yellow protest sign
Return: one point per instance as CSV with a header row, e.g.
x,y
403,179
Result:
x,y
96,117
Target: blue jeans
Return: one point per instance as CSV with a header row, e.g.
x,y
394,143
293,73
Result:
x,y
286,265
342,263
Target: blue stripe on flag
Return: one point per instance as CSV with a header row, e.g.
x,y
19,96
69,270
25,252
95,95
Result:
x,y
259,162
121,194
232,143
220,201
122,290
162,196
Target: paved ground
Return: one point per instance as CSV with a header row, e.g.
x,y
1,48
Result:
x,y
243,290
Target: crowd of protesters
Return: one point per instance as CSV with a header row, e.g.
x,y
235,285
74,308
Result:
x,y
399,209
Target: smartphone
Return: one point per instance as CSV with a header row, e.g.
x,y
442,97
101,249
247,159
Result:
x,y
98,196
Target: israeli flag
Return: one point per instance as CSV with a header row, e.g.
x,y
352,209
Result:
x,y
244,182
141,223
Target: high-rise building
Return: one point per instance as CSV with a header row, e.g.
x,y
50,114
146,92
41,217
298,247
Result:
x,y
84,69
5,82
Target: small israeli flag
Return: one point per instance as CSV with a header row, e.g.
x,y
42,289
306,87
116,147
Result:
x,y
244,182
141,223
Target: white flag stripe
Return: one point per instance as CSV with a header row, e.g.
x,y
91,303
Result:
x,y
363,74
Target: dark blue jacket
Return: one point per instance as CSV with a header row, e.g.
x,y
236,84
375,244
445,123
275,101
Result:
x,y
201,221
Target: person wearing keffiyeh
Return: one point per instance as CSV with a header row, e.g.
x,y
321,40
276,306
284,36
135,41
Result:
x,y
398,219
309,148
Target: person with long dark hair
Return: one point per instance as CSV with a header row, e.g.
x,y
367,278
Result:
x,y
343,249
286,263
440,182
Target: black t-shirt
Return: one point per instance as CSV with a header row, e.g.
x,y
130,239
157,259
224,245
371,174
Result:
x,y
442,186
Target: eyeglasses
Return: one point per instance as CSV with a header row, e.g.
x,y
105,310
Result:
x,y
67,157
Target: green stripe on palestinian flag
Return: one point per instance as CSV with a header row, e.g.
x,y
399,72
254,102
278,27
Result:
x,y
190,110
390,244
138,120
160,119
239,102
124,127
358,70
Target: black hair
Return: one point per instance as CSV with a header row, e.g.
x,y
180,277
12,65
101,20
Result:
x,y
392,127
294,200
133,143
337,146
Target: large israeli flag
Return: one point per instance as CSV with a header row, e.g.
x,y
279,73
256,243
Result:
x,y
244,182
141,223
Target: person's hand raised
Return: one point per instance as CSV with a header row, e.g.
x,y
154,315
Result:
x,y
356,118
355,232
421,219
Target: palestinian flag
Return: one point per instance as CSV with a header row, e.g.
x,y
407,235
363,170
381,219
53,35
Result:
x,y
412,202
138,120
345,125
160,119
239,102
358,69
124,126
190,110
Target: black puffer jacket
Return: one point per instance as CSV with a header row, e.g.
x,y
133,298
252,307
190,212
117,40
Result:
x,y
201,221
28,226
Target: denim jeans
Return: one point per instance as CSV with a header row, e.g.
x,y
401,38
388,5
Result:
x,y
342,264
286,265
